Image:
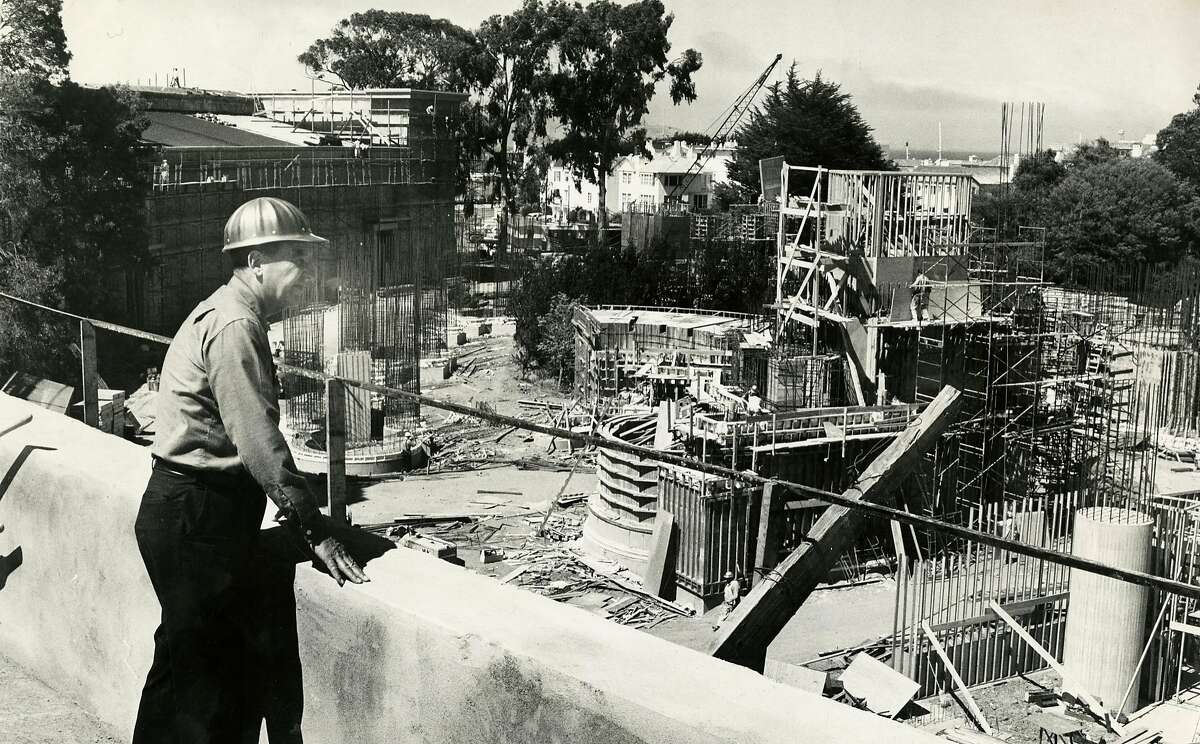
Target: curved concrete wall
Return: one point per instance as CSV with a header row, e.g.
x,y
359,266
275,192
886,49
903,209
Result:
x,y
621,512
1106,624
427,652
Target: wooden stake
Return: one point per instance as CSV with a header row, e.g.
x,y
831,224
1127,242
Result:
x,y
968,699
1092,703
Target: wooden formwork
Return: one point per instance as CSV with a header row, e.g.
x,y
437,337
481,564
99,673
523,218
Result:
x,y
716,519
952,592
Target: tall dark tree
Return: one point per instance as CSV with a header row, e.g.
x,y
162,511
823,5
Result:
x,y
1024,203
389,49
511,89
808,122
73,181
1092,153
1116,213
610,58
1179,144
32,38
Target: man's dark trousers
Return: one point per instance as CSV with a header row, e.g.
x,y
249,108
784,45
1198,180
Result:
x,y
196,534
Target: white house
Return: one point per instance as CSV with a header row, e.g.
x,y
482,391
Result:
x,y
640,180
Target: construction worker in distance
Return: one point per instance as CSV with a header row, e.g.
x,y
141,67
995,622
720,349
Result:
x,y
920,296
218,455
753,402
733,594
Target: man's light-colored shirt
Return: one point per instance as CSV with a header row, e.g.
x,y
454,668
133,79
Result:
x,y
218,407
733,590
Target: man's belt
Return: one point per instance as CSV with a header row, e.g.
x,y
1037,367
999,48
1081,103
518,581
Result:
x,y
214,477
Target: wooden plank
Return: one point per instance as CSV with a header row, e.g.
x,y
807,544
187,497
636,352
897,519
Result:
x,y
1185,628
897,539
796,675
514,574
660,550
766,547
967,697
1016,609
335,448
90,375
1069,683
881,689
356,365
802,504
744,637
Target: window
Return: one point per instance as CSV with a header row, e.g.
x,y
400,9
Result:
x,y
626,199
699,201
647,179
589,197
626,178
672,180
557,175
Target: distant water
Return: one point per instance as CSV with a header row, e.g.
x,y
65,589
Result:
x,y
923,154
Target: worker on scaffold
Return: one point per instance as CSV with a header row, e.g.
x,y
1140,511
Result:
x,y
217,457
920,297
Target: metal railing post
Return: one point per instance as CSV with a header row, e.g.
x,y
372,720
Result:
x,y
335,448
90,375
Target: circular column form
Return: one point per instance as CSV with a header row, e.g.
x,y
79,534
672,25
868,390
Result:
x,y
1106,621
620,521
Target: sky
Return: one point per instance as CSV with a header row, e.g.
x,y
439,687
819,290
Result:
x,y
1099,67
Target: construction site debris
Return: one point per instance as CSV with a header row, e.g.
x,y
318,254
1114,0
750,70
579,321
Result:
x,y
877,686
966,736
429,545
1143,736
570,499
490,555
1042,698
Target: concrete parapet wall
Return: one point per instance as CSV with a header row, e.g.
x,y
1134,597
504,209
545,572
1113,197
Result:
x,y
427,652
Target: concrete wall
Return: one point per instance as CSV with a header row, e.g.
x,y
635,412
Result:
x,y
427,652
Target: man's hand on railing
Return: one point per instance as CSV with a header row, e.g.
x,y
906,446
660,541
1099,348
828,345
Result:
x,y
338,562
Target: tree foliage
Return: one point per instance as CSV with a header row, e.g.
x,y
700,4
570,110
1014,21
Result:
x,y
722,275
610,59
511,89
73,181
1179,144
1092,153
1119,212
808,122
1099,208
556,347
390,49
32,38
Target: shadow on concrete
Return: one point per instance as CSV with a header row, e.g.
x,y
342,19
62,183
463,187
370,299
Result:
x,y
271,603
17,462
11,562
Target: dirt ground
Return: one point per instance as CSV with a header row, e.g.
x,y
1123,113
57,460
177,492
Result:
x,y
1011,718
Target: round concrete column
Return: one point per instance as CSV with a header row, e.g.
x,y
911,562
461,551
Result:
x,y
1106,622
620,521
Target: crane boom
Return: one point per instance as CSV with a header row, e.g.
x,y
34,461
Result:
x,y
736,111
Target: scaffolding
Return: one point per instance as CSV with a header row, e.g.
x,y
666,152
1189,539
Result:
x,y
387,312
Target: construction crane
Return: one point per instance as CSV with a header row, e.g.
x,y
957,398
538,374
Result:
x,y
730,122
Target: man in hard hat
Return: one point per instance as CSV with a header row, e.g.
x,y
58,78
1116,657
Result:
x,y
733,594
218,451
753,402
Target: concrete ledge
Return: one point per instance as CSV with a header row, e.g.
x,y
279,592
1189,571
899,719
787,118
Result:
x,y
427,652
